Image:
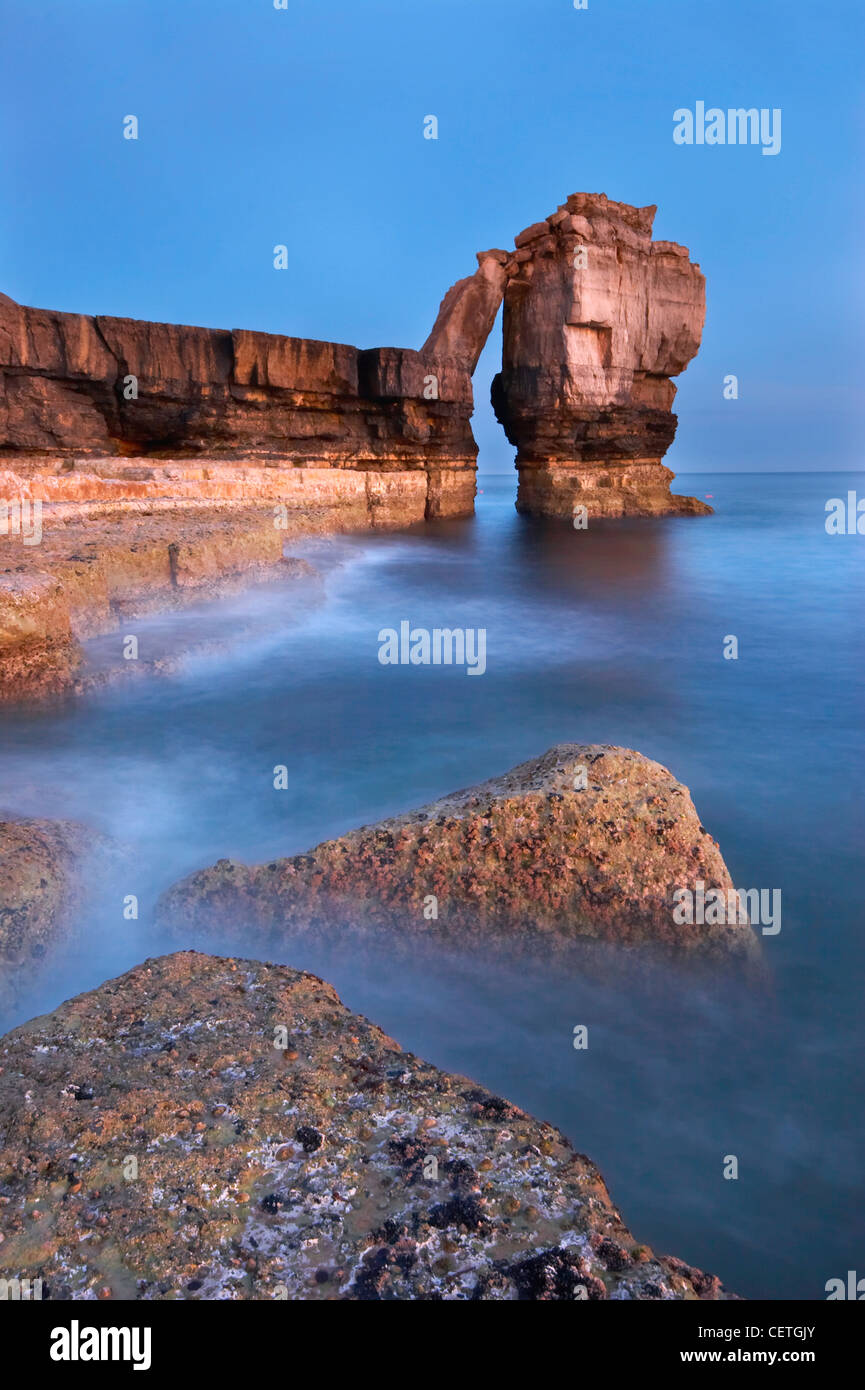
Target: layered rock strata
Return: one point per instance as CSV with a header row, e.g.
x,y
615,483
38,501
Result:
x,y
203,1128
75,384
587,841
147,464
182,431
597,319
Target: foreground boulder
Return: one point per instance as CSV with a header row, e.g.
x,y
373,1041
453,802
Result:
x,y
226,1129
585,841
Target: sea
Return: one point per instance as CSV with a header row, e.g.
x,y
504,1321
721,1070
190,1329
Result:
x,y
619,633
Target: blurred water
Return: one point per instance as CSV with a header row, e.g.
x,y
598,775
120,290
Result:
x,y
610,635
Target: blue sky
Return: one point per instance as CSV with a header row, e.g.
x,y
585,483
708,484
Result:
x,y
304,127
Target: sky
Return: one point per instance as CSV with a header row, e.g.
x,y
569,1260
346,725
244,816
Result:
x,y
303,127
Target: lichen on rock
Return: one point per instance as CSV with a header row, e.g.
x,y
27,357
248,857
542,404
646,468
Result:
x,y
587,841
158,1145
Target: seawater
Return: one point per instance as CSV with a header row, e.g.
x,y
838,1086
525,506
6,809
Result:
x,y
614,635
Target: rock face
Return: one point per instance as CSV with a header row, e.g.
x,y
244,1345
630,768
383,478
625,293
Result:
x,y
156,1144
585,841
597,319
73,384
195,448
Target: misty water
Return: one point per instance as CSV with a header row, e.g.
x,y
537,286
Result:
x,y
610,635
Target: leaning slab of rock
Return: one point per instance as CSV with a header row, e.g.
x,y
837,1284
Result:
x,y
585,841
226,1129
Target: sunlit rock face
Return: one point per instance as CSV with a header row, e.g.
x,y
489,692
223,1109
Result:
x,y
83,388
597,319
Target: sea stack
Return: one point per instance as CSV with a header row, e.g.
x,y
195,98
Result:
x,y
597,319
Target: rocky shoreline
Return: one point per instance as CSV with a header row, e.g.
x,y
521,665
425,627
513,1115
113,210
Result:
x,y
142,464
98,572
223,1128
206,1128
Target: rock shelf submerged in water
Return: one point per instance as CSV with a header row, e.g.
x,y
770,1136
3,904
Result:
x,y
587,841
41,890
158,1144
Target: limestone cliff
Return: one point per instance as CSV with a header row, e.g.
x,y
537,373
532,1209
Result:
x,y
72,384
597,320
